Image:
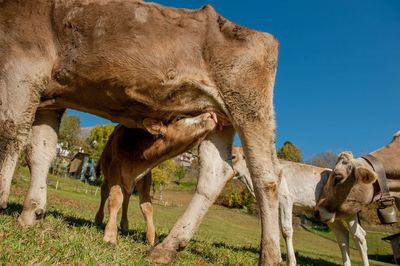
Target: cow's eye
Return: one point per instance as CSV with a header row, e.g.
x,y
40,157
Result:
x,y
345,162
233,157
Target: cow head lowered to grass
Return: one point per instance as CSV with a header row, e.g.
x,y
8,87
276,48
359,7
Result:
x,y
352,183
349,187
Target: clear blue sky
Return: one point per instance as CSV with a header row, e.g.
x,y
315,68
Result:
x,y
338,80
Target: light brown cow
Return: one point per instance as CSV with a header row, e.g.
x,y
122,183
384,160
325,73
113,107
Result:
x,y
352,183
128,60
300,188
128,158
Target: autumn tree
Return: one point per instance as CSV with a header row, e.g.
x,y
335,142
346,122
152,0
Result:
x,y
161,175
98,138
290,152
325,159
69,130
180,174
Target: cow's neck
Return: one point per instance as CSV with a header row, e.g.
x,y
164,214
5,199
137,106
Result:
x,y
390,157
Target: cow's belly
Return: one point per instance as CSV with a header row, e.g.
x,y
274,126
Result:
x,y
129,106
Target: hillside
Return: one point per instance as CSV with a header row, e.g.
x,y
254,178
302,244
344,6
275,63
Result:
x,y
226,237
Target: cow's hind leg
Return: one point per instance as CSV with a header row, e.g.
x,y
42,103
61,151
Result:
x,y
41,151
105,191
124,217
21,83
146,207
215,171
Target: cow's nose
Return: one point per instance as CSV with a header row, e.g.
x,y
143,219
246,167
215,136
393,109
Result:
x,y
337,179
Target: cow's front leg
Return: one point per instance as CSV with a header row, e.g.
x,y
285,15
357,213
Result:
x,y
18,103
359,234
342,238
41,151
215,170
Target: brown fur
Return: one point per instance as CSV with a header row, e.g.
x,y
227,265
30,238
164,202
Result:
x,y
127,159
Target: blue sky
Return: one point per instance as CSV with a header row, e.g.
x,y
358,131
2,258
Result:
x,y
338,80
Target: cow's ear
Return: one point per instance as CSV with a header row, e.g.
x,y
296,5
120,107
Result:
x,y
365,175
155,127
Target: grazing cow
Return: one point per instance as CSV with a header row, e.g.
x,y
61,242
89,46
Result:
x,y
128,60
352,183
128,158
300,188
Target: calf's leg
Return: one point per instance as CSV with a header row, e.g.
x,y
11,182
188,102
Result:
x,y
114,204
105,191
215,171
124,217
146,207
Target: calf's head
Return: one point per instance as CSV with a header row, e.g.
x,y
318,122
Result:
x,y
178,136
349,187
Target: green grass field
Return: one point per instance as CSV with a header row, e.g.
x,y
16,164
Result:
x,y
226,237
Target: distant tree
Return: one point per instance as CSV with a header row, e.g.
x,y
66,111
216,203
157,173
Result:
x,y
69,130
180,174
98,139
290,152
325,159
161,175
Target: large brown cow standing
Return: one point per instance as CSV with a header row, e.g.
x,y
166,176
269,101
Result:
x,y
126,60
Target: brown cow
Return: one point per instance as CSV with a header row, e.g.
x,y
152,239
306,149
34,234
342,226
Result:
x,y
128,158
128,60
352,183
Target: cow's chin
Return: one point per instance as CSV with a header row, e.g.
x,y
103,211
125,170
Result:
x,y
326,216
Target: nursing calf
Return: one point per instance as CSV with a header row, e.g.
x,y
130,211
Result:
x,y
299,191
128,158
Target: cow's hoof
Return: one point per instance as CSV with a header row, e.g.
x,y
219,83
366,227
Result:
x,y
99,219
161,255
27,219
110,238
124,227
3,205
124,230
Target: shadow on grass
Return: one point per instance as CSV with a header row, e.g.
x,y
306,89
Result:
x,y
73,221
301,260
384,258
202,249
236,248
13,209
